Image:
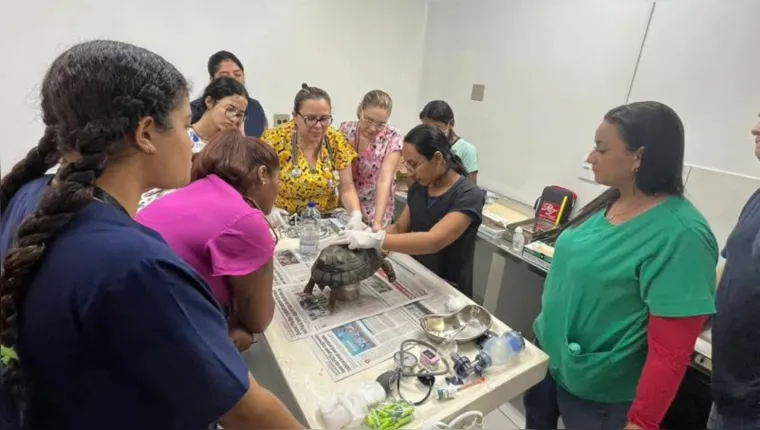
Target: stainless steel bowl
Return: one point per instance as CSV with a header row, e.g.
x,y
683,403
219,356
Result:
x,y
466,325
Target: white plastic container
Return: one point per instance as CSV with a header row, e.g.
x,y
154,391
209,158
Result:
x,y
349,409
518,240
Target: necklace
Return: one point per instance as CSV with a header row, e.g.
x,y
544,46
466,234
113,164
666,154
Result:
x,y
613,215
358,141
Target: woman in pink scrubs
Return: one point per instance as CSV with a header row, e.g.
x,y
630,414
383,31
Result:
x,y
379,148
218,225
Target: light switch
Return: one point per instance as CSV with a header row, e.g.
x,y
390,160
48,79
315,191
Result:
x,y
478,91
281,118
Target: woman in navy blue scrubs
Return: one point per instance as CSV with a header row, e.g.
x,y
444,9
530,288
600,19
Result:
x,y
103,326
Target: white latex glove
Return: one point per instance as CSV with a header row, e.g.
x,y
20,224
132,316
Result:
x,y
355,221
275,217
361,239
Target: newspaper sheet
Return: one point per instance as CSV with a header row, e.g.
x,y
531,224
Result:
x,y
291,267
301,315
356,346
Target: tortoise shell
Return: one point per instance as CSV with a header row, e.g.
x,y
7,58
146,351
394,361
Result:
x,y
338,266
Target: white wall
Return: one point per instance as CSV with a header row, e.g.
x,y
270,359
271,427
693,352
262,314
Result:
x,y
552,69
347,47
700,57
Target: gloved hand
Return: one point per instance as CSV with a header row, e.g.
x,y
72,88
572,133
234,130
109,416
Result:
x,y
275,217
361,239
355,221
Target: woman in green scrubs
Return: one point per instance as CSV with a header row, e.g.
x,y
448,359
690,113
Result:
x,y
631,283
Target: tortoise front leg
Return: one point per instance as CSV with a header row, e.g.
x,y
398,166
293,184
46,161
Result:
x,y
390,272
309,289
332,300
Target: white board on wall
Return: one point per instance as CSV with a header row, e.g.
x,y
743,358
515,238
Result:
x,y
550,69
700,58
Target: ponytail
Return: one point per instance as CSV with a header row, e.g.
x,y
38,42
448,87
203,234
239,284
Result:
x,y
457,165
37,161
601,202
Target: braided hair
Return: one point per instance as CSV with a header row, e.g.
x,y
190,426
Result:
x,y
93,97
37,161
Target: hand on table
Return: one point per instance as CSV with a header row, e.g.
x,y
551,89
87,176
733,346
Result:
x,y
361,239
355,222
241,338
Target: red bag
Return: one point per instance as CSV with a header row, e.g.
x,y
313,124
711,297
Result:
x,y
553,208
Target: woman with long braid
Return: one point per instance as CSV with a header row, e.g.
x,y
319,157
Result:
x,y
102,325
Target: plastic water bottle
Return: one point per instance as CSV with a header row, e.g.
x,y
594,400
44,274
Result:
x,y
308,243
518,240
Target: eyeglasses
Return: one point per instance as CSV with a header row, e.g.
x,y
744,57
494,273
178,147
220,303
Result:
x,y
311,121
415,166
234,114
253,204
372,123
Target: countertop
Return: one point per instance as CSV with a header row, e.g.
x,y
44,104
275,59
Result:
x,y
309,382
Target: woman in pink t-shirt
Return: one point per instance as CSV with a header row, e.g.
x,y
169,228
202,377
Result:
x,y
379,148
218,225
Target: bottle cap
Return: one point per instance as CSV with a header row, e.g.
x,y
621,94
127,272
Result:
x,y
519,230
312,204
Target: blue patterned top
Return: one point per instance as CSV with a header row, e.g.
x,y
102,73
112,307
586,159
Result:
x,y
198,143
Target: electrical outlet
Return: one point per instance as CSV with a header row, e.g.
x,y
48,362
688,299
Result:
x,y
281,118
477,93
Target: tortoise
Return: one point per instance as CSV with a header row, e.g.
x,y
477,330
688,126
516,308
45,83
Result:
x,y
337,266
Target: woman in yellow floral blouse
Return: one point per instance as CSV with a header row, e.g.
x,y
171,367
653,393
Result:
x,y
315,159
